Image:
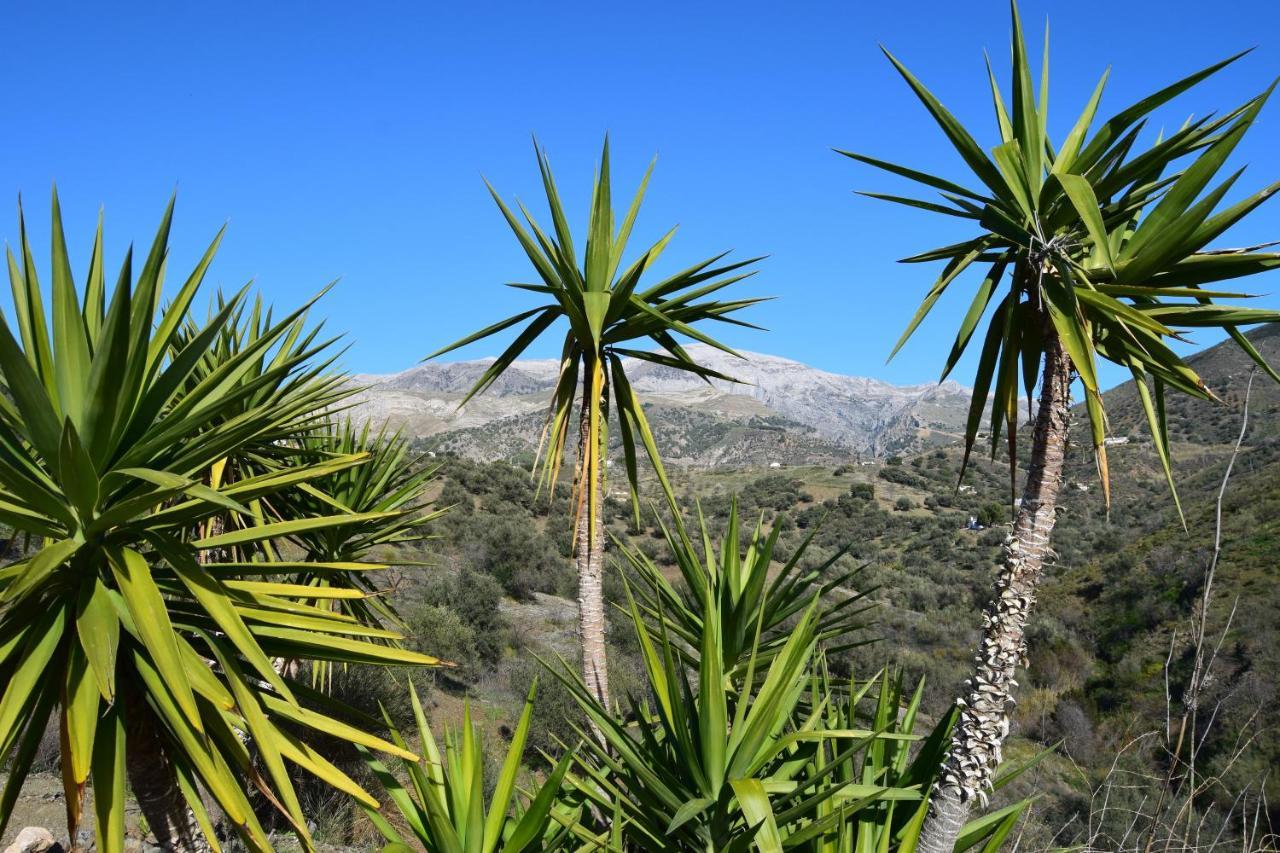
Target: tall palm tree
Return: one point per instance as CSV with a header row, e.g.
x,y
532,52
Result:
x,y
1091,248
607,309
156,665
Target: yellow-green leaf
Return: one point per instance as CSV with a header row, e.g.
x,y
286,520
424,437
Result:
x,y
151,618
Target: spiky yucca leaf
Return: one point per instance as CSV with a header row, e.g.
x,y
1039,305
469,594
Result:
x,y
387,504
1095,239
848,823
106,439
749,593
608,308
392,483
443,803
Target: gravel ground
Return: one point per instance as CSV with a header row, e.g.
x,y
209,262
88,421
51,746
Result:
x,y
41,803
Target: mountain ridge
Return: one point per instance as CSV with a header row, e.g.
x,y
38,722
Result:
x,y
847,415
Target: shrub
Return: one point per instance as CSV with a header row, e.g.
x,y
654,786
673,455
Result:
x,y
556,716
515,553
474,597
450,638
863,491
902,477
992,514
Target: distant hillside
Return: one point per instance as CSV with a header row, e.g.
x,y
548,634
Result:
x,y
689,437
1115,606
1125,590
780,411
1225,370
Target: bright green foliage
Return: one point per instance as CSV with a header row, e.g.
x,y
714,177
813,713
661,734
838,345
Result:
x,y
887,823
607,309
383,497
698,766
261,365
755,610
392,484
445,807
761,751
787,761
262,357
1103,242
108,435
385,501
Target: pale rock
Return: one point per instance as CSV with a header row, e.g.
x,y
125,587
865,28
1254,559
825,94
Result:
x,y
34,839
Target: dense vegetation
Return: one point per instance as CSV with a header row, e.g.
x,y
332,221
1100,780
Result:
x,y
260,623
499,578
1120,588
204,584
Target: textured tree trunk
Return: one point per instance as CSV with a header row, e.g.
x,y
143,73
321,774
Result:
x,y
154,785
589,553
214,526
984,713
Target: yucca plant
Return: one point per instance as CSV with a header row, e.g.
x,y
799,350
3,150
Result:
x,y
304,398
755,601
861,782
693,765
392,484
608,309
387,502
309,394
158,667
1091,248
444,803
387,489
881,704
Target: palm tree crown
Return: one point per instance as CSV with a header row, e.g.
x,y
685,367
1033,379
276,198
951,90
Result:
x,y
155,661
607,309
1102,243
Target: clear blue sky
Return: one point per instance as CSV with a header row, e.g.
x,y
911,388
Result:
x,y
348,140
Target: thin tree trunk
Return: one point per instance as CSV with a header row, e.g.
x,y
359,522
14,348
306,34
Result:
x,y
152,780
589,553
984,713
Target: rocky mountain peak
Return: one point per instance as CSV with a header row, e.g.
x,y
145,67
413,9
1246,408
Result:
x,y
851,413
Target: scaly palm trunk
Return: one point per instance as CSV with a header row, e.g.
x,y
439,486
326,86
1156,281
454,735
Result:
x,y
154,785
589,553
984,716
